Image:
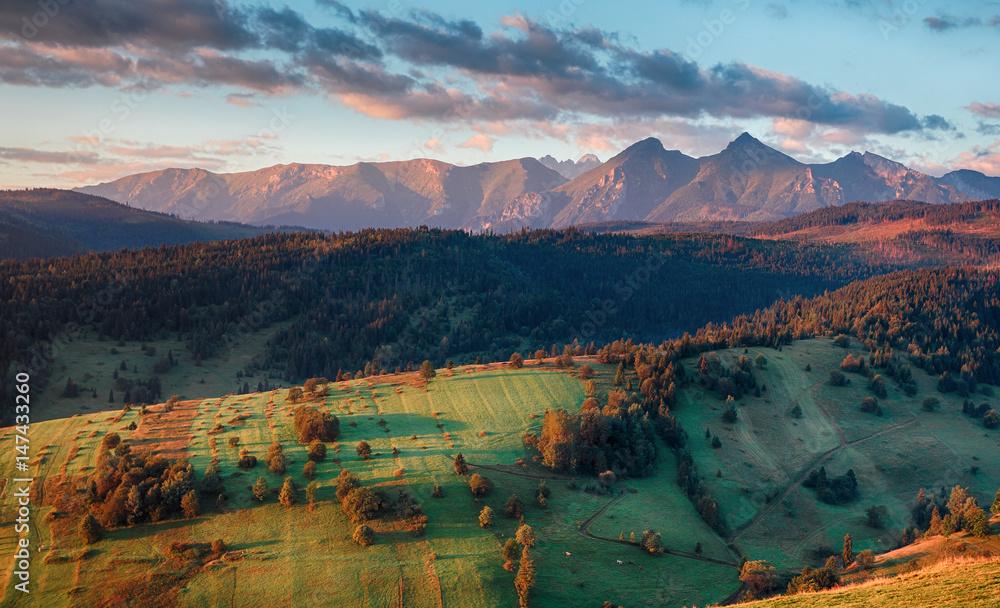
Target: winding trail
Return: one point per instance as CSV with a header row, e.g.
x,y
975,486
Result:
x,y
806,471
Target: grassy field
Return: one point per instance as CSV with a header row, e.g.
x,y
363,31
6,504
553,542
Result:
x,y
766,454
91,364
295,556
961,583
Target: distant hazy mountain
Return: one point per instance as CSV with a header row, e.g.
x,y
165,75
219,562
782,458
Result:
x,y
569,168
392,194
45,222
746,181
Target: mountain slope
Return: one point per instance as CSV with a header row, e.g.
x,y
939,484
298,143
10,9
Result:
x,y
385,195
627,186
44,222
569,168
645,182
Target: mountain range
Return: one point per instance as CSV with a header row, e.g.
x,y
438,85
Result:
x,y
748,180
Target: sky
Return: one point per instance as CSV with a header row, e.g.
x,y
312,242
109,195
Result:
x,y
93,90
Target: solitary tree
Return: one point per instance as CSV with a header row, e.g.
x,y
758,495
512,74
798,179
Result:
x,y
996,503
295,394
90,530
276,459
516,361
479,485
260,489
461,468
848,553
760,576
317,450
427,370
364,450
486,517
526,535
309,469
364,535
311,491
288,495
513,508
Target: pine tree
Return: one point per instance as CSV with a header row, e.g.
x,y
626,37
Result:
x,y
461,468
288,495
848,554
260,489
995,508
935,525
620,375
525,579
111,396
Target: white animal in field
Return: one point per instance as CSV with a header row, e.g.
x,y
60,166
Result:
x,y
619,562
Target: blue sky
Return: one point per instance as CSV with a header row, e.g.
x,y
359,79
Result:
x,y
105,88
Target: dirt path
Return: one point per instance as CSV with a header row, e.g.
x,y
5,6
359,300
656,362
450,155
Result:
x,y
805,472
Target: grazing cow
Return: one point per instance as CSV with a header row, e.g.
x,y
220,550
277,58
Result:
x,y
619,562
568,554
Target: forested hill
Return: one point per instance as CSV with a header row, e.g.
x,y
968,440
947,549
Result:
x,y
48,222
402,296
882,213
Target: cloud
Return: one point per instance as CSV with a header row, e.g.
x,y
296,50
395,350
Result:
x,y
417,66
986,110
434,145
479,142
985,159
244,100
777,10
28,155
950,22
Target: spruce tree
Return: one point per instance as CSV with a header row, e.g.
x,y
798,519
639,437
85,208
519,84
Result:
x,y
848,554
525,579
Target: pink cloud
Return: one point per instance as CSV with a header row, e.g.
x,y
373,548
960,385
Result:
x,y
480,142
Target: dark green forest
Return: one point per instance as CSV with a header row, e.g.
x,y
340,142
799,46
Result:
x,y
397,297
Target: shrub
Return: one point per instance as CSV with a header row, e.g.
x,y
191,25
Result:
x,y
865,559
877,386
931,404
437,492
364,535
427,370
516,361
760,576
234,441
796,412
364,450
842,341
247,461
218,546
311,491
480,485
